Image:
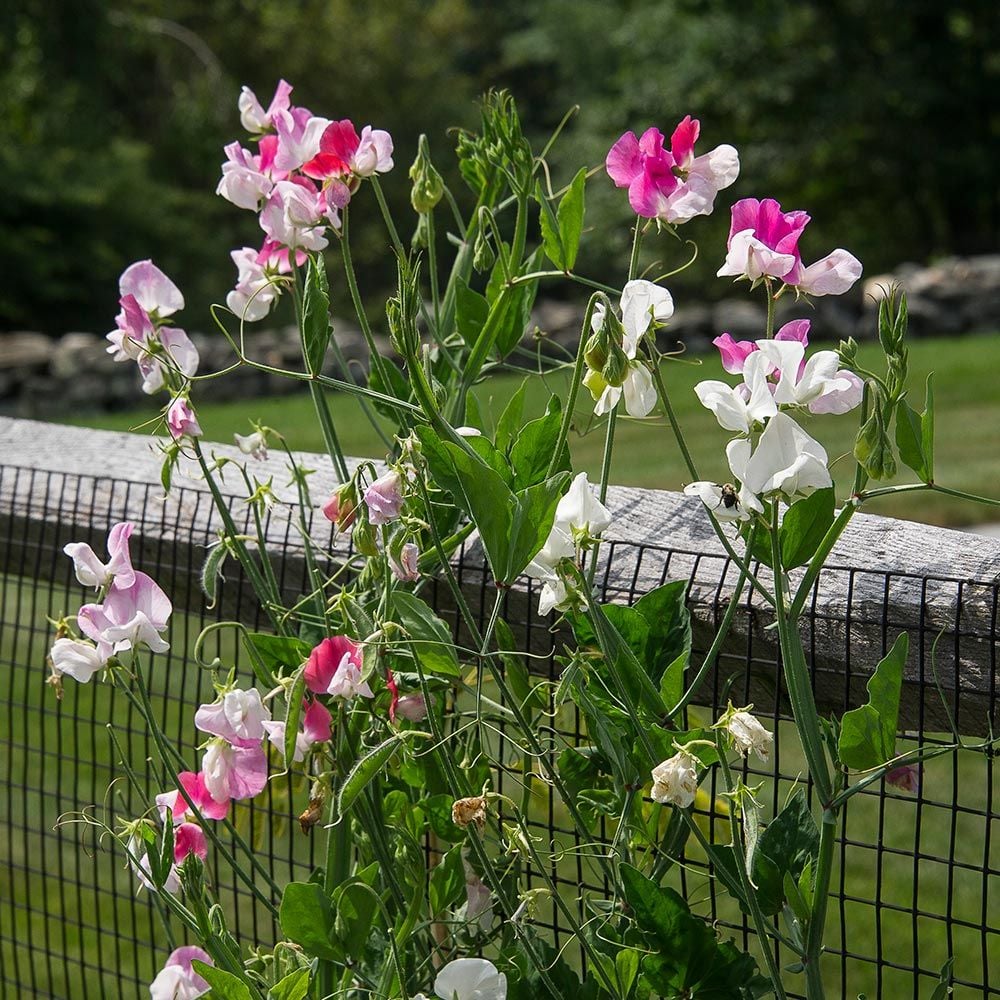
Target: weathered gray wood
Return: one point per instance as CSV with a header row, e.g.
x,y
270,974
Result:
x,y
883,576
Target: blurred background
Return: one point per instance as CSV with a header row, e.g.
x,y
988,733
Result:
x,y
882,120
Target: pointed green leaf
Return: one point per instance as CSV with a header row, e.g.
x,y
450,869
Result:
x,y
868,733
509,422
804,526
531,522
295,986
315,315
570,217
447,881
306,917
534,444
431,638
225,986
548,224
788,844
471,310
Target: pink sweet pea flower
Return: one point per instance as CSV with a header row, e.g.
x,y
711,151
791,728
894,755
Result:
x,y
258,284
734,353
151,288
189,838
405,569
243,181
316,727
129,616
905,777
233,772
342,151
295,216
348,683
833,275
91,572
384,498
327,658
194,785
182,421
671,184
238,717
412,707
177,980
178,355
134,332
299,135
253,117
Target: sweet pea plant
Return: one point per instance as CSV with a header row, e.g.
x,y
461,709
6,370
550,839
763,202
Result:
x,y
358,687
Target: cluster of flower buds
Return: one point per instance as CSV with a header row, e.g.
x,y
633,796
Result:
x,y
302,176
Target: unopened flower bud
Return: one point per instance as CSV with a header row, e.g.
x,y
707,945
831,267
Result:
x,y
675,781
428,187
421,235
905,777
342,507
404,563
595,353
595,383
615,369
483,257
363,538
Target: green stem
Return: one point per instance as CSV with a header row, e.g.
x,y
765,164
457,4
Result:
x,y
327,426
769,330
572,276
383,205
916,487
432,267
819,559
817,919
749,890
672,418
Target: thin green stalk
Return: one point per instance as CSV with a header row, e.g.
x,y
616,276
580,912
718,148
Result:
x,y
769,330
675,426
797,679
817,918
818,560
574,388
329,429
916,487
397,243
521,279
749,890
432,267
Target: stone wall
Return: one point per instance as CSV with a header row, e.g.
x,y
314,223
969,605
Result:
x,y
45,377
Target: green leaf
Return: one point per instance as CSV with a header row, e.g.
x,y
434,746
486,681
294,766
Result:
x,y
532,450
570,216
471,311
868,733
804,526
355,904
292,716
509,422
280,654
665,610
225,986
364,772
549,225
626,970
307,918
491,455
915,435
295,986
789,843
315,315
447,881
943,989
531,522
432,639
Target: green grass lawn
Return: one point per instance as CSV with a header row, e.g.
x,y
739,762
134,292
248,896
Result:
x,y
967,406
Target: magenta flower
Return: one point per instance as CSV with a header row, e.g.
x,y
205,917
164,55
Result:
x,y
233,772
327,658
237,716
342,152
253,117
315,727
384,498
177,980
182,421
129,617
176,805
91,572
189,838
672,185
764,243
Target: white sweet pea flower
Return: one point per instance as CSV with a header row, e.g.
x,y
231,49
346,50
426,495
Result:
x,y
724,501
579,509
470,979
640,396
254,445
748,734
802,382
786,461
738,409
833,275
675,781
237,715
642,304
79,660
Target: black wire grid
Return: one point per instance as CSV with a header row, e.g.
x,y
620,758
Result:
x,y
917,878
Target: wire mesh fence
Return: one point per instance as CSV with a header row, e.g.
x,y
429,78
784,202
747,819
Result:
x,y
918,874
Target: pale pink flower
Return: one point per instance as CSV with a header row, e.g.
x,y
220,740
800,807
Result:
x,y
295,216
177,355
256,290
671,184
243,182
905,777
253,117
134,331
347,683
299,135
237,716
412,707
405,568
833,275
233,772
182,421
79,660
177,980
384,498
129,617
151,288
91,572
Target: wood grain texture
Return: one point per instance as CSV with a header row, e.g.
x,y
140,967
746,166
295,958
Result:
x,y
64,483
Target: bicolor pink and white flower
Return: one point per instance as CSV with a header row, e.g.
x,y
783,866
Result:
x,y
177,980
671,184
129,617
734,353
182,421
175,806
233,772
91,572
259,280
315,727
764,243
384,498
244,181
296,214
299,136
404,567
327,658
253,117
151,289
237,716
343,153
